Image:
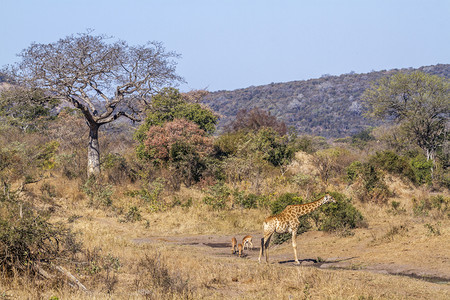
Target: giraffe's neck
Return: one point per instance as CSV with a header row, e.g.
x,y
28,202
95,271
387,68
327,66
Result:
x,y
303,209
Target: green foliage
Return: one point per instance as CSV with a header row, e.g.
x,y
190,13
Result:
x,y
421,168
117,169
361,139
274,148
390,161
133,214
418,102
284,200
438,204
29,110
169,105
265,143
99,193
46,155
340,216
218,196
368,181
417,169
245,200
180,146
353,170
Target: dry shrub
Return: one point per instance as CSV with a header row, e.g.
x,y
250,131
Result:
x,y
117,169
332,162
437,206
155,281
368,183
256,119
29,242
101,270
99,194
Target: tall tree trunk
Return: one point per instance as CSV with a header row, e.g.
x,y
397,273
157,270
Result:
x,y
93,167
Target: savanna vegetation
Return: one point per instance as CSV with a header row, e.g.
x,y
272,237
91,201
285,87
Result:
x,y
70,234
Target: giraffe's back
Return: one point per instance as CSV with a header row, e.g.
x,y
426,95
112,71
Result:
x,y
276,224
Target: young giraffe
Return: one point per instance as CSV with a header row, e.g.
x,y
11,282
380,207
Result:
x,y
287,221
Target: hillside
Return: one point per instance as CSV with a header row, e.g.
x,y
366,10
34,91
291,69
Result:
x,y
329,106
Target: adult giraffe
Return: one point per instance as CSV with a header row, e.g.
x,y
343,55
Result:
x,y
287,221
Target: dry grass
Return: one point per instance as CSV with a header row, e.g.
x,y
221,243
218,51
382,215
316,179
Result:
x,y
392,243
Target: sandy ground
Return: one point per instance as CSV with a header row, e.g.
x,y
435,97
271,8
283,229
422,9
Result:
x,y
360,259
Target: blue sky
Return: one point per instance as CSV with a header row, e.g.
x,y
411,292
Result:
x,y
234,44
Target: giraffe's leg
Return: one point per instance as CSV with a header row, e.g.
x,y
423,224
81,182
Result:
x,y
264,245
261,250
294,245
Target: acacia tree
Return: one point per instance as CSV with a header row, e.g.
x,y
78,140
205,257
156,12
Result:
x,y
419,102
103,78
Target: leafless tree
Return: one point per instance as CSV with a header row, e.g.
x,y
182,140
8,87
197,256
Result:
x,y
102,77
255,119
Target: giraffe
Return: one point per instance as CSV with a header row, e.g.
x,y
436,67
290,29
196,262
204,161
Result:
x,y
287,221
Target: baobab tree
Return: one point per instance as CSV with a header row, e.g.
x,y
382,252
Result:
x,y
104,78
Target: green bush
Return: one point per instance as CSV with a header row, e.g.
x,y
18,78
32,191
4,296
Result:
x,y
391,162
340,215
246,200
265,143
99,194
370,185
438,203
45,157
353,170
284,200
274,148
417,169
421,168
151,194
218,196
133,214
117,169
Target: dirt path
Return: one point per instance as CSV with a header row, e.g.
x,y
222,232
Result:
x,y
220,246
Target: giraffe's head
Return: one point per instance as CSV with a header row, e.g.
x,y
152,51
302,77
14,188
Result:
x,y
328,198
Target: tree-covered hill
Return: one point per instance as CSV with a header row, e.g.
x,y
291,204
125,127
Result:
x,y
329,106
